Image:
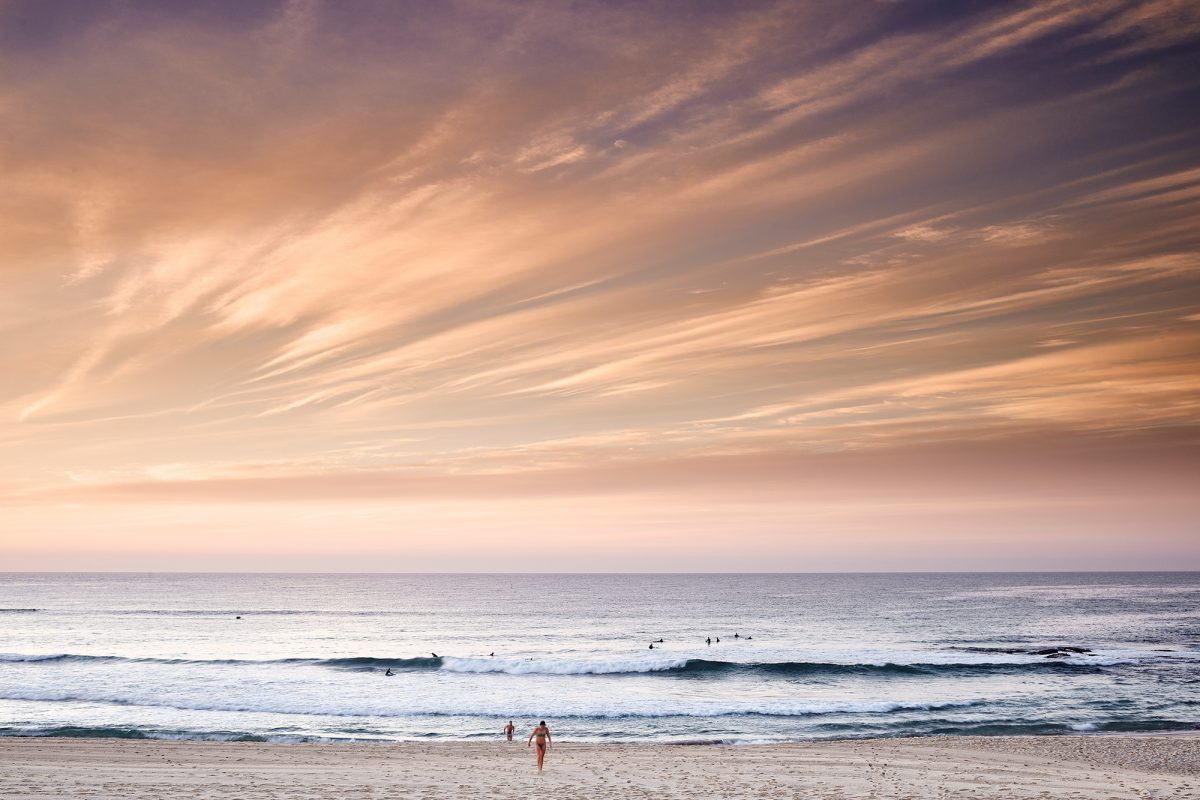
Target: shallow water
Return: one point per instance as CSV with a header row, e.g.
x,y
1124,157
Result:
x,y
828,655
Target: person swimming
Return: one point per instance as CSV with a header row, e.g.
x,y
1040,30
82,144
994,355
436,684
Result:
x,y
543,742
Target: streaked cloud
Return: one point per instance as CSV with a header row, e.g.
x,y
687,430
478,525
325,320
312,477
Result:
x,y
270,252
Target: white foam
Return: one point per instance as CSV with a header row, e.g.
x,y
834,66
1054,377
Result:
x,y
373,704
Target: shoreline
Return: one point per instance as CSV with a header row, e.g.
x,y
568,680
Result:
x,y
259,739
936,737
1002,767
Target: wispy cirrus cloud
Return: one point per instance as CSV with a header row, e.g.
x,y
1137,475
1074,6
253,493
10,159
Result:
x,y
319,240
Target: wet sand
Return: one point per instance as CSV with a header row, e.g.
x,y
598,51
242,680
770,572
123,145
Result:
x,y
1081,767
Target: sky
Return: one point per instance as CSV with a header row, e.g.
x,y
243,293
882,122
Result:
x,y
599,286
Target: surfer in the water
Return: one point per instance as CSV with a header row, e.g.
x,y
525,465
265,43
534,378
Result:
x,y
543,741
389,672
435,655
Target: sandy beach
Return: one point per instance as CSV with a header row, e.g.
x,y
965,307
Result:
x,y
995,767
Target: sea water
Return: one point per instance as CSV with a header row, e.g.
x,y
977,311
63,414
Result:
x,y
304,657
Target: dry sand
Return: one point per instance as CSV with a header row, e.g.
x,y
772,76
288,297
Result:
x,y
1078,767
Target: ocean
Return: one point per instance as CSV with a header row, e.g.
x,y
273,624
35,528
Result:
x,y
291,657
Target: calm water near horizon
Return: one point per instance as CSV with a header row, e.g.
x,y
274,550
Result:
x,y
814,655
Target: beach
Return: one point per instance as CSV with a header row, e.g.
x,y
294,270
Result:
x,y
1081,767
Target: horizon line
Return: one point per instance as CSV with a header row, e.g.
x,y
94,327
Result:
x,y
560,573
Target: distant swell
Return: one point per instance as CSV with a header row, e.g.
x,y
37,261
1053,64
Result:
x,y
352,663
682,667
701,667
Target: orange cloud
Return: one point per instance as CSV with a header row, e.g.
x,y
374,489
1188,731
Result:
x,y
298,250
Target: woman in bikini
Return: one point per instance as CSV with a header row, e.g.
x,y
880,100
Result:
x,y
543,741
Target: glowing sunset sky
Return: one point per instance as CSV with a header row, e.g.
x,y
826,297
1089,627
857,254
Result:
x,y
601,286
